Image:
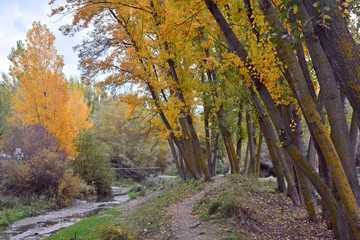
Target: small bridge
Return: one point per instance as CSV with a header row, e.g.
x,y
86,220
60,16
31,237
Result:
x,y
136,173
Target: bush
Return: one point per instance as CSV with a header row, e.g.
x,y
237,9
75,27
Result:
x,y
47,168
44,175
116,233
69,188
15,178
8,201
92,164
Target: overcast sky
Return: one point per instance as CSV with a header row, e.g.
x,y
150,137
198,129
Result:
x,y
17,16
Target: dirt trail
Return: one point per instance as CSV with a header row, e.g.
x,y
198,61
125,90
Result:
x,y
39,227
184,225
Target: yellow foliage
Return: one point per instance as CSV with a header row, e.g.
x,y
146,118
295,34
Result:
x,y
43,96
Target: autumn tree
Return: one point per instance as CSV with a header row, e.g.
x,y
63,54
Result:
x,y
153,58
43,96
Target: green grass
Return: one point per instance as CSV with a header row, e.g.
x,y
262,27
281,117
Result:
x,y
87,229
10,215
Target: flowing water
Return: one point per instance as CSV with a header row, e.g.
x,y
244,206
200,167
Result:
x,y
39,227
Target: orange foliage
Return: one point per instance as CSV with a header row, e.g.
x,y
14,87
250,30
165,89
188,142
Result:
x,y
43,96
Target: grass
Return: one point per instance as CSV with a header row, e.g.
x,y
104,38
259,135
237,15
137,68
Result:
x,y
10,215
14,208
123,182
87,229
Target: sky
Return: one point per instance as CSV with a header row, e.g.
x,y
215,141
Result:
x,y
16,18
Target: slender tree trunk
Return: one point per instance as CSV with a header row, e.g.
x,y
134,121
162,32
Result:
x,y
354,135
270,139
305,187
215,154
240,135
180,168
258,153
246,161
229,145
251,143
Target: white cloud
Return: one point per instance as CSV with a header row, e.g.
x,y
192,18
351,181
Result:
x,y
16,18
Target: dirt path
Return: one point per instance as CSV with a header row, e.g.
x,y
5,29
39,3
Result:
x,y
184,225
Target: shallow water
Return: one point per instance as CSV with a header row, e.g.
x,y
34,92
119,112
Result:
x,y
39,227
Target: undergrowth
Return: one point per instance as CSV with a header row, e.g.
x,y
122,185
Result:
x,y
13,208
231,200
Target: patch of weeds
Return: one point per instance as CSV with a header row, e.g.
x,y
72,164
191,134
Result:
x,y
10,215
15,208
151,215
137,191
116,233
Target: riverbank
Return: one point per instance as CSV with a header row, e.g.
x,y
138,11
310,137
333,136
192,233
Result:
x,y
39,227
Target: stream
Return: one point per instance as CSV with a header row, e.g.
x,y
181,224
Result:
x,y
39,227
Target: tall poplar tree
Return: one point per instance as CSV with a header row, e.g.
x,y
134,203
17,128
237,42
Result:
x,y
43,95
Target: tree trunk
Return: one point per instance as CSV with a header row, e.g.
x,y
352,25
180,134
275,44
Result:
x,y
340,48
251,143
339,131
354,135
240,135
313,117
179,167
270,139
258,153
229,145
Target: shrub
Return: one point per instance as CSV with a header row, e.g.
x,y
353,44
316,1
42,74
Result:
x,y
15,178
116,233
92,164
8,201
68,189
47,169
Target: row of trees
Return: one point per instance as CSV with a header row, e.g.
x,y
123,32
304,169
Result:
x,y
286,60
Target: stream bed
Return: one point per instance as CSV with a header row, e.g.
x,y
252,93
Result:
x,y
39,227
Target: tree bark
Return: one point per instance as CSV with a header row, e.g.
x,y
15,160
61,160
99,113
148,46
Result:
x,y
309,109
339,131
251,143
340,48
